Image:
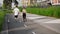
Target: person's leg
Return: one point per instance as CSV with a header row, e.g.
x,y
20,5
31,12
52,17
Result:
x,y
16,16
24,17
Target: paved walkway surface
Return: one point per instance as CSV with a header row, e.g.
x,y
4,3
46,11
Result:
x,y
35,24
48,22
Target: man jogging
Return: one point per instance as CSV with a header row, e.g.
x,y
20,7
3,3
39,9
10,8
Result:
x,y
16,12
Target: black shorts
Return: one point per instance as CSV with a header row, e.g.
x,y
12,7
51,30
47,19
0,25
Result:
x,y
24,15
16,16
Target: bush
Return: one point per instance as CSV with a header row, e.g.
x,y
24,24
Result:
x,y
20,8
53,11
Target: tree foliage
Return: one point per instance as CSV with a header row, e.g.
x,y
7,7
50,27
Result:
x,y
7,4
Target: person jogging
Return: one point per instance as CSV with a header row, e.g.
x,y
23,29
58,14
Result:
x,y
16,12
24,14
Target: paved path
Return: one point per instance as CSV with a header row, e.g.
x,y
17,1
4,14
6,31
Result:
x,y
48,22
34,25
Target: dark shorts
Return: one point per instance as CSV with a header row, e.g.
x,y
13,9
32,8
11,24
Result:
x,y
16,16
24,15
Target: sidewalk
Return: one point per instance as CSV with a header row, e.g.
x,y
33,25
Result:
x,y
48,22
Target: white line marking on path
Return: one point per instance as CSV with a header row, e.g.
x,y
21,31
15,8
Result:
x,y
33,33
25,25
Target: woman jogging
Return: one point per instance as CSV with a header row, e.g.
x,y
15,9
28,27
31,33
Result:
x,y
24,14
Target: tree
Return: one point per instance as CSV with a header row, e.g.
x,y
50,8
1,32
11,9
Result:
x,y
16,2
7,4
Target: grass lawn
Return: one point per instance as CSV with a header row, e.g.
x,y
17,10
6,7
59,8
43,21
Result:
x,y
2,15
53,11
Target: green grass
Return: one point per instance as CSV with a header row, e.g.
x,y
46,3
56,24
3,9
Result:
x,y
2,15
53,11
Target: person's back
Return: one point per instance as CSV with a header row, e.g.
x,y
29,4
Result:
x,y
24,11
16,12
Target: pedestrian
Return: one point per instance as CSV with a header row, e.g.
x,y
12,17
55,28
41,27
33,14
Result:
x,y
24,14
16,12
13,5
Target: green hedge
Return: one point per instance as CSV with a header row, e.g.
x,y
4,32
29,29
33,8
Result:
x,y
20,9
50,11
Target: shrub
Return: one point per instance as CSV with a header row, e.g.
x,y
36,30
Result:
x,y
53,11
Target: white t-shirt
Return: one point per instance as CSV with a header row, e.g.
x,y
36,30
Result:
x,y
16,11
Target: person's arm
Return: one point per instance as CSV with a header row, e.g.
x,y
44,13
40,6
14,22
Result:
x,y
18,11
25,10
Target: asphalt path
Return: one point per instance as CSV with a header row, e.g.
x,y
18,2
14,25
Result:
x,y
17,26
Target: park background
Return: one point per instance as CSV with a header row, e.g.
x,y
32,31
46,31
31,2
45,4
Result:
x,y
49,8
